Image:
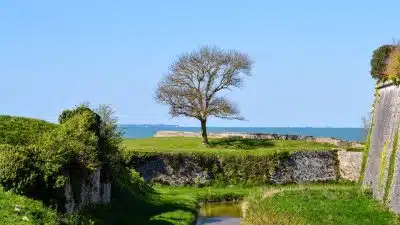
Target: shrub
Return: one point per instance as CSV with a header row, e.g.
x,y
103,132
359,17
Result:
x,y
22,131
393,65
71,146
19,169
379,61
82,143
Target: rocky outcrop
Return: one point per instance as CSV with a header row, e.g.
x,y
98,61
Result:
x,y
337,142
90,191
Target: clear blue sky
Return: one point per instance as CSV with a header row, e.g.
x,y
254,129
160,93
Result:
x,y
311,57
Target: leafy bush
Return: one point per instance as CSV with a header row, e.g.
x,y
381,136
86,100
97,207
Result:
x,y
393,65
71,146
82,143
379,62
22,131
19,169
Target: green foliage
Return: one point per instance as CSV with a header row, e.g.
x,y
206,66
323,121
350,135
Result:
x,y
82,143
379,62
391,165
19,167
72,145
22,131
315,205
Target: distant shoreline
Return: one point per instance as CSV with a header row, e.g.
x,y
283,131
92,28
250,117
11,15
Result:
x,y
258,127
348,134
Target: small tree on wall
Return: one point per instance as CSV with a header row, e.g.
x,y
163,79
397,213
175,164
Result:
x,y
195,79
392,69
379,61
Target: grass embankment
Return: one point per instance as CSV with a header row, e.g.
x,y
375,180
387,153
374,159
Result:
x,y
19,210
222,145
135,202
21,130
314,205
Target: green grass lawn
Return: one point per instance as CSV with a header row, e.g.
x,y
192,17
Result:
x,y
223,146
19,210
315,205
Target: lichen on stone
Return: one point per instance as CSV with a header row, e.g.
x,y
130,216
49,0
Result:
x,y
392,162
382,167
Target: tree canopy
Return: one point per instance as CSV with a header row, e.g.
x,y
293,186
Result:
x,y
195,79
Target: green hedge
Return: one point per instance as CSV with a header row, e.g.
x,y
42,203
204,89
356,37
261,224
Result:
x,y
22,131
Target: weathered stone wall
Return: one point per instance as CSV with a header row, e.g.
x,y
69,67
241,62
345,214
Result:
x,y
382,161
297,167
93,190
350,165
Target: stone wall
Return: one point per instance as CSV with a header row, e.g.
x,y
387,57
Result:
x,y
382,158
92,190
297,167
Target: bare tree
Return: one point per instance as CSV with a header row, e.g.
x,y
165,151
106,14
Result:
x,y
195,79
366,122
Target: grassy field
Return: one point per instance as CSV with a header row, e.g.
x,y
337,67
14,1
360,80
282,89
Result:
x,y
315,205
223,146
19,210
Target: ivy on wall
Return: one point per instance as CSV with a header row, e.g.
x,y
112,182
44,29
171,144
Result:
x,y
368,141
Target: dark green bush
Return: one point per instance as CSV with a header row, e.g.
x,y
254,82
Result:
x,y
22,131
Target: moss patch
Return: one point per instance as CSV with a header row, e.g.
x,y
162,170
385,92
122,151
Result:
x,y
391,165
367,145
382,166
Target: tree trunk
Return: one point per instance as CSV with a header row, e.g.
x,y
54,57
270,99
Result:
x,y
204,131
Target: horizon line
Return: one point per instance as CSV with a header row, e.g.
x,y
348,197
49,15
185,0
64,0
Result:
x,y
336,127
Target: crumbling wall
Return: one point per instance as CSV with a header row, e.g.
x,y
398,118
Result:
x,y
91,190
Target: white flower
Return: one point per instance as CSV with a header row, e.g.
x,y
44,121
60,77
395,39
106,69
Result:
x,y
25,218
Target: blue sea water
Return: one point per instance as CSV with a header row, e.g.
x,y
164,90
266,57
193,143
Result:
x,y
349,134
